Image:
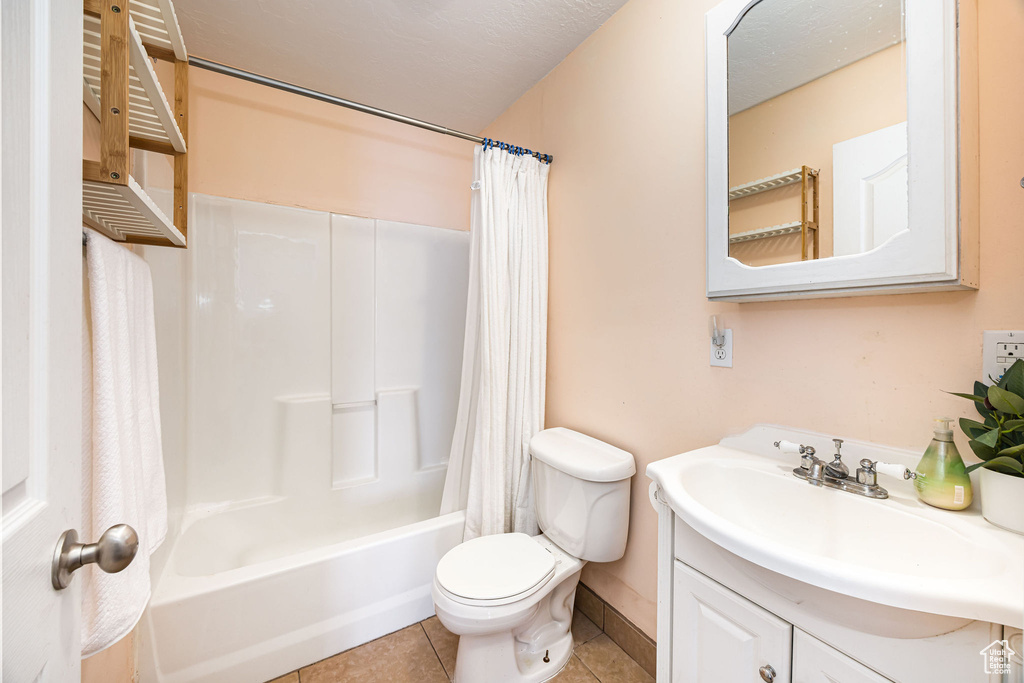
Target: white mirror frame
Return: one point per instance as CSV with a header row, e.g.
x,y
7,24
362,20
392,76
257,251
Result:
x,y
939,251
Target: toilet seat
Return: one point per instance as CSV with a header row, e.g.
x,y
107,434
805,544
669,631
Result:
x,y
495,570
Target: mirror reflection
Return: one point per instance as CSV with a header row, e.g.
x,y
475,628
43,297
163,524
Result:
x,y
817,129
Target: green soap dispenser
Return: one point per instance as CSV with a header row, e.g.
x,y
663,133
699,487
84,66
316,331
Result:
x,y
942,478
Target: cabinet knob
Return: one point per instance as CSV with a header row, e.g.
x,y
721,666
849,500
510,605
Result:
x,y
767,673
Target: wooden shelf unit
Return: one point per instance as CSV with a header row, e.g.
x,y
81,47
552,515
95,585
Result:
x,y
121,89
808,224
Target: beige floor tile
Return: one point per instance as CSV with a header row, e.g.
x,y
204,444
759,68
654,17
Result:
x,y
575,672
637,645
583,629
609,663
405,656
445,643
293,677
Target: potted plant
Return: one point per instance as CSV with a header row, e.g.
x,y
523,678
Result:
x,y
999,441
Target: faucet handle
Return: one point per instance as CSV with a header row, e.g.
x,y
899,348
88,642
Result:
x,y
896,471
866,473
790,447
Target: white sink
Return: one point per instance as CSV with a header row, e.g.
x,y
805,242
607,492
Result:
x,y
742,495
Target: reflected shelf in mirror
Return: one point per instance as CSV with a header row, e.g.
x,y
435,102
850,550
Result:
x,y
806,227
762,233
770,183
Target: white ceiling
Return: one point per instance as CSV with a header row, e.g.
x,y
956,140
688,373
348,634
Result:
x,y
456,63
782,44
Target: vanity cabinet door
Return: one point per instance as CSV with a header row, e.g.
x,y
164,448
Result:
x,y
816,662
721,636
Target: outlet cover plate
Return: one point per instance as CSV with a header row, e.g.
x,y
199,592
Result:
x,y
721,356
1000,348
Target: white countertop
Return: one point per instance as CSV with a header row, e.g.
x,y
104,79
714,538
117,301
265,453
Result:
x,y
741,494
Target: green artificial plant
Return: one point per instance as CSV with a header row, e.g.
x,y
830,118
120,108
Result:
x,y
999,440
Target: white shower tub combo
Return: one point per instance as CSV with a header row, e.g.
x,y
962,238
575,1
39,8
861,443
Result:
x,y
321,357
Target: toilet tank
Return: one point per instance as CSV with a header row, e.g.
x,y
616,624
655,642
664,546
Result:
x,y
581,493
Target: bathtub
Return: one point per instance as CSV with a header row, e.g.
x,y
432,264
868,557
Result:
x,y
252,593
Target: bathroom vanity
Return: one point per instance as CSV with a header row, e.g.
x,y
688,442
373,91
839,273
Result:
x,y
764,577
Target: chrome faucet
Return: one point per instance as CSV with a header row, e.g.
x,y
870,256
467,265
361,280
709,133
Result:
x,y
816,472
836,474
837,468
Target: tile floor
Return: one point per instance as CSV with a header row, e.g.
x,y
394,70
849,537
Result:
x,y
425,653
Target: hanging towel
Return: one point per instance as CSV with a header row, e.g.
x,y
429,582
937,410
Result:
x,y
122,458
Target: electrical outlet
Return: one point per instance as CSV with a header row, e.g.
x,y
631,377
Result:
x,y
721,356
999,350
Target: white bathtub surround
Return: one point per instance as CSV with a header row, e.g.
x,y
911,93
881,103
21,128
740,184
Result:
x,y
122,460
501,402
322,357
258,311
301,326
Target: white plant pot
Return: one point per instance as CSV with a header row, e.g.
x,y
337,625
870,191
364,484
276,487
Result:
x,y
1002,500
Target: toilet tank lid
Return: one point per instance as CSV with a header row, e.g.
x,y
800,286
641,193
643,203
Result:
x,y
582,456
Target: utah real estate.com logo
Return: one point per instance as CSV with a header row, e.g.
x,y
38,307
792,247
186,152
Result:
x,y
997,657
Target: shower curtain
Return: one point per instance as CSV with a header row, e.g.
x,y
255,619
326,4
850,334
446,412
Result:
x,y
501,400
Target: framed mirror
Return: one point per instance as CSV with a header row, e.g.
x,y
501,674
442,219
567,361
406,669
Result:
x,y
841,148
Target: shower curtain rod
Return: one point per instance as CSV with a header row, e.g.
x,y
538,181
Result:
x,y
348,104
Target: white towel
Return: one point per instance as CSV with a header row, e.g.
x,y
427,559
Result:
x,y
122,458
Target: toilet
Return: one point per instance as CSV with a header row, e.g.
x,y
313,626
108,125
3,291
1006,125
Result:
x,y
510,596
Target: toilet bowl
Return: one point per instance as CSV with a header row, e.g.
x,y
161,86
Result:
x,y
510,596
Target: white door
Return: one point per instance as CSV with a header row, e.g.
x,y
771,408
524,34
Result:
x,y
41,325
722,636
816,662
869,190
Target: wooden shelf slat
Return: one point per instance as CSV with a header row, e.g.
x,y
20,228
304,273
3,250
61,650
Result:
x,y
124,213
158,26
149,113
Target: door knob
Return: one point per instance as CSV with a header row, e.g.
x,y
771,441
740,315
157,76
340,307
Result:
x,y
113,552
767,673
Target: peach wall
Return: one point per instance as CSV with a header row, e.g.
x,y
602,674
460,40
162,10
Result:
x,y
628,339
252,142
797,128
116,664
248,141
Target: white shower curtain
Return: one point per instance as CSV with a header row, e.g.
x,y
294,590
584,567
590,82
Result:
x,y
501,402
